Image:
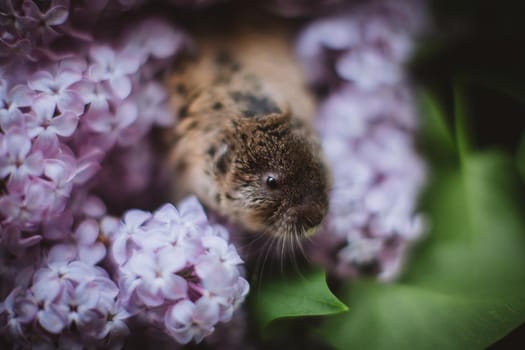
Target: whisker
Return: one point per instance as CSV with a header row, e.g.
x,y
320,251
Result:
x,y
259,265
299,242
282,240
269,248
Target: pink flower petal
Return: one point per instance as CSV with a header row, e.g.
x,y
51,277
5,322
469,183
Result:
x,y
47,143
148,296
127,113
46,289
56,170
143,265
62,252
21,95
70,101
135,217
41,81
171,259
179,315
56,15
99,122
85,171
102,54
34,163
175,287
127,63
92,254
87,232
51,320
206,312
44,108
17,143
65,124
121,86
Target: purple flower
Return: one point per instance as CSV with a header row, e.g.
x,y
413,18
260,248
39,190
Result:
x,y
111,123
19,309
366,126
179,268
368,69
157,275
365,46
49,282
47,126
27,208
129,229
186,320
116,319
155,38
17,159
85,245
58,89
10,103
68,303
152,109
377,176
42,24
114,68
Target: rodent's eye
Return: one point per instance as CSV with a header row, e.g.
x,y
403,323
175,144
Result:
x,y
271,182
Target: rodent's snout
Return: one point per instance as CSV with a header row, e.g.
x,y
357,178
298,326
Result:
x,y
307,215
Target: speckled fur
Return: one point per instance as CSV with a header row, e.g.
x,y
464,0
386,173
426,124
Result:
x,y
244,113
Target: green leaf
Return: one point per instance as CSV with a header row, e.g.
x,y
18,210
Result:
x,y
297,296
465,288
436,135
461,118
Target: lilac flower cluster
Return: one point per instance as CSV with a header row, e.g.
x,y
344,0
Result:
x,y
68,305
366,46
34,30
367,128
58,121
176,271
59,297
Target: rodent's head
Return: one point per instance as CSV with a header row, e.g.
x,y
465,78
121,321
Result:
x,y
271,176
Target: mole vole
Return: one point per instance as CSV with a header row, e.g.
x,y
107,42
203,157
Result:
x,y
243,140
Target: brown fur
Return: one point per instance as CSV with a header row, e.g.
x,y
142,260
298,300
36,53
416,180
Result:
x,y
243,115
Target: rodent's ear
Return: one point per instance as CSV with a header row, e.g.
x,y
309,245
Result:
x,y
283,116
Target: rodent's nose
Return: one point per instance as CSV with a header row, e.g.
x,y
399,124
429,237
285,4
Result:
x,y
307,215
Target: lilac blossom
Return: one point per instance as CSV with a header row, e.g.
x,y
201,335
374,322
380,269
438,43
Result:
x,y
17,161
366,126
10,103
41,23
114,68
31,29
179,271
366,46
67,302
59,89
59,119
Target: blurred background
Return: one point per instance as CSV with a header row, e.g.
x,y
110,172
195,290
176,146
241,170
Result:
x,y
481,43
